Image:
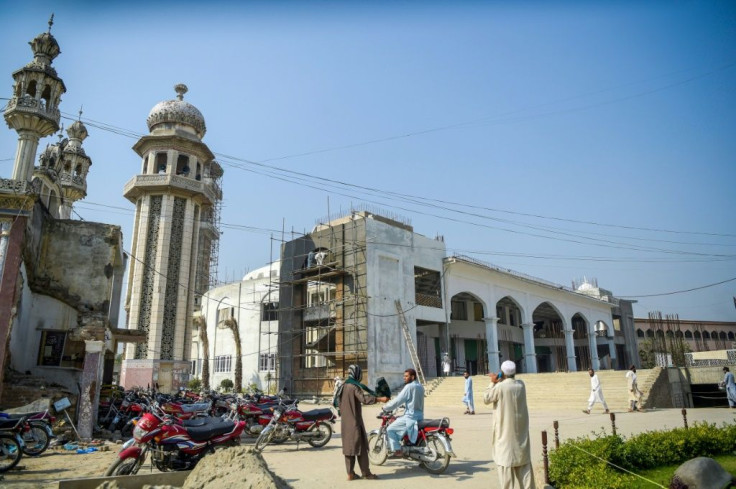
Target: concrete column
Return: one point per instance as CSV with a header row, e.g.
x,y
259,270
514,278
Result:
x,y
572,365
530,357
612,352
8,285
25,155
593,342
89,397
494,362
4,234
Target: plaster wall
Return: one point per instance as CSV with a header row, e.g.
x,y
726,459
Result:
x,y
391,255
256,336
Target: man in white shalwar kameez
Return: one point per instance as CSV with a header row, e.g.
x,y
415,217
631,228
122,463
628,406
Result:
x,y
510,447
596,393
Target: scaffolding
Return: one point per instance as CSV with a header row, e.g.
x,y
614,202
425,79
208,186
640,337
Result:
x,y
322,308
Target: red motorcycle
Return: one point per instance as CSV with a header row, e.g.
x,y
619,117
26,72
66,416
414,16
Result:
x,y
288,423
174,444
432,448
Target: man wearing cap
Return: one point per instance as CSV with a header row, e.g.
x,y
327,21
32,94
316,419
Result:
x,y
510,447
730,387
635,395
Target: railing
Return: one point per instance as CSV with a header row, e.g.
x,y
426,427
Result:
x,y
208,188
26,103
427,300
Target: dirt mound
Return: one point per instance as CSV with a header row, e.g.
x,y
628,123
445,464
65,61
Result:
x,y
234,468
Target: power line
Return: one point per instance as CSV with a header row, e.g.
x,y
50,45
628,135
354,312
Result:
x,y
677,291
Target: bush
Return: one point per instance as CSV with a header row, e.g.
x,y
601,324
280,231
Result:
x,y
226,385
194,384
581,463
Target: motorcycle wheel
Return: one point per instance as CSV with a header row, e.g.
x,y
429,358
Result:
x,y
325,431
263,439
35,441
377,449
280,436
10,452
128,466
443,458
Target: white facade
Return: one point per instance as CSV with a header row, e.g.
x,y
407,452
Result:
x,y
253,303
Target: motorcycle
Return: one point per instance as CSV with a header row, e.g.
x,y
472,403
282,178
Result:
x,y
288,423
174,444
36,432
250,410
432,448
11,443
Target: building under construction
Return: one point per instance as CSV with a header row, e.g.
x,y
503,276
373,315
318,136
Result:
x,y
354,290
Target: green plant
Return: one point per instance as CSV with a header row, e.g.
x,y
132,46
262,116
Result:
x,y
226,385
591,463
194,384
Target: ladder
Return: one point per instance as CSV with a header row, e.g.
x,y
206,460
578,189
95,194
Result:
x,y
410,344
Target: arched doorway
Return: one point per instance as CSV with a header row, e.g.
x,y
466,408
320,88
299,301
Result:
x,y
468,346
549,339
510,335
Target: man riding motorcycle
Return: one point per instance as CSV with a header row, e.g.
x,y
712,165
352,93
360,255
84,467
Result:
x,y
412,398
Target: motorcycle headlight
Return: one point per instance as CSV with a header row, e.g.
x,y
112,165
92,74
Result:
x,y
139,432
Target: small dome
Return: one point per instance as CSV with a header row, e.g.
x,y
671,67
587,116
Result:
x,y
178,112
44,45
77,131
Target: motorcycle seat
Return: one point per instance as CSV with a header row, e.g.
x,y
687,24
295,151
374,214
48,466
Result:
x,y
202,433
316,414
194,422
18,416
433,423
191,408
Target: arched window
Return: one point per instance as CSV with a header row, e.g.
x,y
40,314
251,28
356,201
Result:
x,y
706,335
688,335
697,335
670,334
161,162
650,333
731,335
182,165
678,334
722,335
639,333
46,95
31,89
660,333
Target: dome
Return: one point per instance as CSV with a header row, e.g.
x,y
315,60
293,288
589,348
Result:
x,y
77,131
178,112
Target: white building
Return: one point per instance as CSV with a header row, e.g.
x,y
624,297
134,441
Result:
x,y
251,306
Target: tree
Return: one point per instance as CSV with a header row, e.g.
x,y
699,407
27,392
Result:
x,y
226,385
232,325
201,323
646,353
194,384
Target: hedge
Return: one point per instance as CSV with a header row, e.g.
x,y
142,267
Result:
x,y
572,466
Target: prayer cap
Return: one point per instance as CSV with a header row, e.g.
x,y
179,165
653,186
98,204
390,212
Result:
x,y
508,367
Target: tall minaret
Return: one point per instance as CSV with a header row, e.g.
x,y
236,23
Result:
x,y
176,196
33,110
75,167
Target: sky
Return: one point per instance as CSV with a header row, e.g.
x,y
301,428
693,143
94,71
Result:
x,y
563,140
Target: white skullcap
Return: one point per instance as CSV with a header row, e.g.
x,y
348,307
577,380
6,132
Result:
x,y
508,367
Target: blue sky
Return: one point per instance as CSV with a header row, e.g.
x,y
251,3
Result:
x,y
559,139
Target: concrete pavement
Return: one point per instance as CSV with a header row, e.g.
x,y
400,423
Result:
x,y
324,467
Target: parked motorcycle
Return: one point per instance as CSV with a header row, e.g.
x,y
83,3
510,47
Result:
x,y
289,423
174,444
11,443
36,431
432,448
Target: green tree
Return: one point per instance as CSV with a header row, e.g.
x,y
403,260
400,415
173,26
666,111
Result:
x,y
226,385
194,384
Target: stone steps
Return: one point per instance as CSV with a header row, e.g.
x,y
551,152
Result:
x,y
563,390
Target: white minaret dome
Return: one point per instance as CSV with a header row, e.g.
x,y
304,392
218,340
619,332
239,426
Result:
x,y
177,113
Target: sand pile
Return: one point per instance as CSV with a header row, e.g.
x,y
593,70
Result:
x,y
234,468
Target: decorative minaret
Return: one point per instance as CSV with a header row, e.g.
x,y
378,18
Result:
x,y
75,166
176,196
33,110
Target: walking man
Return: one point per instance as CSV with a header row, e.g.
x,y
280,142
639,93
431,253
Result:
x,y
596,393
350,397
730,385
468,397
510,447
635,394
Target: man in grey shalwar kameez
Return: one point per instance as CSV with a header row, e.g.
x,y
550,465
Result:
x,y
510,429
350,397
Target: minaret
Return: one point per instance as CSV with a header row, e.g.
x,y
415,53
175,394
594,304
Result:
x,y
33,110
75,167
176,196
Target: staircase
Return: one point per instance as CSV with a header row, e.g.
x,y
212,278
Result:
x,y
550,391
